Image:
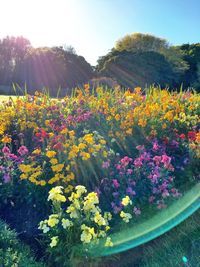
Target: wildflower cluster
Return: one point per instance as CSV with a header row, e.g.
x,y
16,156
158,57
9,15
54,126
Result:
x,y
82,216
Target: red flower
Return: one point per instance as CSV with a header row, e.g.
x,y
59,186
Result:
x,y
192,136
58,146
182,136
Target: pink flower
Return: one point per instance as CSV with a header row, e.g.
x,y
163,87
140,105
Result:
x,y
140,147
6,150
106,164
137,162
157,159
155,146
166,160
22,150
115,183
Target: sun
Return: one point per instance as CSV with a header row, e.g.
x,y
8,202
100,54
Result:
x,y
42,22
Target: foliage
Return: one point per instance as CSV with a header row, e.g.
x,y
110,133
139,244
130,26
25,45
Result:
x,y
138,42
192,57
41,67
143,59
12,252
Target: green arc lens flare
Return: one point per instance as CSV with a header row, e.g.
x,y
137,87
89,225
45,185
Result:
x,y
152,228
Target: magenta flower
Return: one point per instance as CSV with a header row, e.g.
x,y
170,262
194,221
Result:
x,y
23,150
166,160
137,162
155,146
115,183
5,150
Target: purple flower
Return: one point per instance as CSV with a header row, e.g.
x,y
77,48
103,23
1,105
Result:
x,y
115,194
106,164
6,178
129,171
130,191
137,211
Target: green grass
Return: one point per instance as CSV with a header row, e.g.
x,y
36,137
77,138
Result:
x,y
165,251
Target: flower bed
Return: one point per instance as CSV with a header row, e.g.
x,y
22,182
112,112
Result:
x,y
106,157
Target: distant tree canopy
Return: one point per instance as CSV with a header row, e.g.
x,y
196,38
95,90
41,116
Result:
x,y
41,67
142,59
136,60
138,42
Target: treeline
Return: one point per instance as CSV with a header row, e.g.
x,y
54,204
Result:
x,y
54,67
142,59
136,60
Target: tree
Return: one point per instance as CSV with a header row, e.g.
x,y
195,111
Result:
x,y
138,42
12,53
140,59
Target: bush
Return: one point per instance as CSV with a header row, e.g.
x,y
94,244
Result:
x,y
12,252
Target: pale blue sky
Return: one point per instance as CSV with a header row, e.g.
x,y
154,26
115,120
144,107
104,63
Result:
x,y
93,26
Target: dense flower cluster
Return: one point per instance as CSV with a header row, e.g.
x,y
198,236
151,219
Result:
x,y
128,149
83,214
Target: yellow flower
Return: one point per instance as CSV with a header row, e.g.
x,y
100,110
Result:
x,y
117,117
23,176
125,216
99,219
36,152
126,200
64,131
89,139
55,194
70,177
54,241
68,189
85,156
73,213
43,226
108,242
66,223
82,146
80,189
88,234
129,131
53,220
54,161
50,154
57,168
102,141
25,168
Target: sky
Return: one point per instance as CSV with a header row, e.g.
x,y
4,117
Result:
x,y
92,27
